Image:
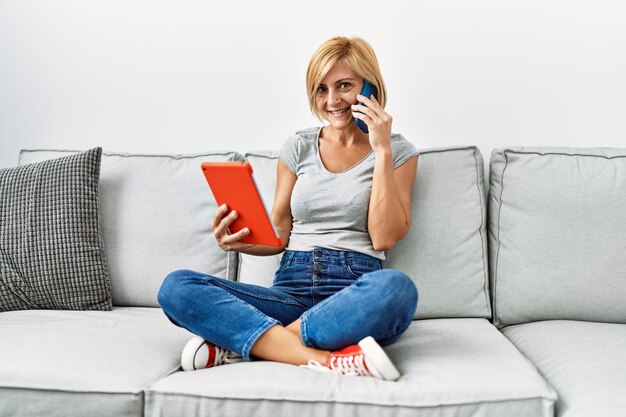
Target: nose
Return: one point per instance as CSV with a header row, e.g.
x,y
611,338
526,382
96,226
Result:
x,y
333,96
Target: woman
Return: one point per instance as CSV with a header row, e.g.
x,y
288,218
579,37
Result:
x,y
342,198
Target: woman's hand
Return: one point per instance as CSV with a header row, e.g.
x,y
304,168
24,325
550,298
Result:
x,y
227,241
377,120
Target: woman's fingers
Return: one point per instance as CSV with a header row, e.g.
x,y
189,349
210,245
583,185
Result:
x,y
219,214
232,243
357,108
362,117
228,241
235,237
371,103
370,108
221,229
363,109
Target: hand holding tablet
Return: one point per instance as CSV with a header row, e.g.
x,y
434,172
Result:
x,y
232,184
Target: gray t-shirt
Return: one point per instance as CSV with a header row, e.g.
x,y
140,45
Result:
x,y
329,209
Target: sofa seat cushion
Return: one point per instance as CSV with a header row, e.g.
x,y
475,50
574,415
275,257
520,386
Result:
x,y
450,367
84,363
583,361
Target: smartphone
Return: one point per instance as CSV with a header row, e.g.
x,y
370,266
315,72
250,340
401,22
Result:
x,y
367,91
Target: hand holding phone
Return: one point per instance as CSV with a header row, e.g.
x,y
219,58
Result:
x,y
367,91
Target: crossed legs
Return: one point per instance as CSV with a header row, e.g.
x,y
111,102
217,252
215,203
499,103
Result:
x,y
284,344
380,304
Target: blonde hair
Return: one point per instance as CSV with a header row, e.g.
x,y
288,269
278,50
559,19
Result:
x,y
356,54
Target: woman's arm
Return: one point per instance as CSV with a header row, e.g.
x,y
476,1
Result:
x,y
389,216
281,216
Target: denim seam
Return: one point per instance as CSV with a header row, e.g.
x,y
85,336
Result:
x,y
372,265
355,275
348,267
255,336
278,300
351,272
303,330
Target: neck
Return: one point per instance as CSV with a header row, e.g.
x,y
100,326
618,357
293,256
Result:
x,y
347,136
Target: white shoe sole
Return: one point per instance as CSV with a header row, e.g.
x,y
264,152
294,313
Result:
x,y
195,354
378,362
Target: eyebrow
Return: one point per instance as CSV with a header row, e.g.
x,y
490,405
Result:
x,y
338,81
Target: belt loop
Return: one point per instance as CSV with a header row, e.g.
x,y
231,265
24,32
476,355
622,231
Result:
x,y
342,258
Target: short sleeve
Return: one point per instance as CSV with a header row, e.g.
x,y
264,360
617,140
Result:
x,y
289,153
402,150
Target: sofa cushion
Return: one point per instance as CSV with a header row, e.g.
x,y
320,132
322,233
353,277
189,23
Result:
x,y
90,363
156,218
460,367
445,251
51,248
557,224
583,361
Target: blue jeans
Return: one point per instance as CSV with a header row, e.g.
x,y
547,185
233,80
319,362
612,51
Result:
x,y
340,298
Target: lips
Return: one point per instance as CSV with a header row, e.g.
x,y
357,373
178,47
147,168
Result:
x,y
339,112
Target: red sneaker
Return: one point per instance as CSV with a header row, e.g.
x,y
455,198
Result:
x,y
200,354
365,359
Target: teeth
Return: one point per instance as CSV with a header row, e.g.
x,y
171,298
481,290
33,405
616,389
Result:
x,y
340,111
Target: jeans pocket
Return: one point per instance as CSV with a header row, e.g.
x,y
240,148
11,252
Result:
x,y
358,267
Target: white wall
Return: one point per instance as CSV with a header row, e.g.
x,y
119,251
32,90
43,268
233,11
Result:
x,y
189,76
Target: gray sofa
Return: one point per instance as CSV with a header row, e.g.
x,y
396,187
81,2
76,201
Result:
x,y
522,306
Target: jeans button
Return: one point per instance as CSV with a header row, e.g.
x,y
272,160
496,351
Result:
x,y
317,267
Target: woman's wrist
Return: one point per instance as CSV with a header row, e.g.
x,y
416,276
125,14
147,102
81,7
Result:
x,y
382,152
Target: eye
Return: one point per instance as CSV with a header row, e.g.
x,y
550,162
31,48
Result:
x,y
347,85
321,89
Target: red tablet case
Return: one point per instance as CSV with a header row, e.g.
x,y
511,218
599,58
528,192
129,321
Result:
x,y
232,184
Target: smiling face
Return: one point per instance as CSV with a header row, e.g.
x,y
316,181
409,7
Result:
x,y
336,93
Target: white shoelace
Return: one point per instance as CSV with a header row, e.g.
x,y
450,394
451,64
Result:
x,y
224,357
353,365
